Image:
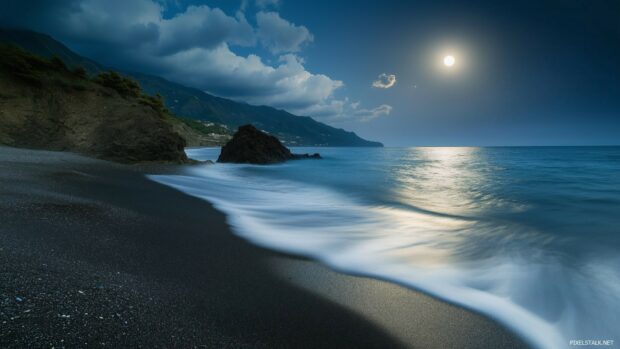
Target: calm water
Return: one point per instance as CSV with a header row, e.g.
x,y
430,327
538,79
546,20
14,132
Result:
x,y
528,236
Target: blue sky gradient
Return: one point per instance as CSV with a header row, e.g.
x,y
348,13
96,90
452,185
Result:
x,y
527,73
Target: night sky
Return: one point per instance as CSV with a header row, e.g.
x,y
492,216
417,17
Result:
x,y
526,73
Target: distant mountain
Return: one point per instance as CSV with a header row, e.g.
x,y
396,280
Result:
x,y
45,46
196,104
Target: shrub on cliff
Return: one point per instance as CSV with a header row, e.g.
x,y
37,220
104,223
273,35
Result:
x,y
58,64
156,102
80,72
124,86
23,64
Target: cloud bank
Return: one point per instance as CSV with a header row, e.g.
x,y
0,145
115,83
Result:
x,y
280,35
194,47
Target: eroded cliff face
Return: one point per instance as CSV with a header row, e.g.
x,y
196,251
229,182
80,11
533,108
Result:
x,y
44,106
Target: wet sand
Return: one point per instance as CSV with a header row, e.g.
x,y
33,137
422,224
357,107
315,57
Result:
x,y
94,254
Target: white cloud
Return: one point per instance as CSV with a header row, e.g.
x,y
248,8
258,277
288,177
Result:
x,y
280,35
140,24
385,81
288,85
195,47
329,110
202,26
370,114
338,111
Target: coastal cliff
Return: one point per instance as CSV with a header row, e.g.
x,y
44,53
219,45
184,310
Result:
x,y
45,105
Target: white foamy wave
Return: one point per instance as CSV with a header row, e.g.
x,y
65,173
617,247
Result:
x,y
419,250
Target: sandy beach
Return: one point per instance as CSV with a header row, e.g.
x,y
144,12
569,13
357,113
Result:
x,y
94,254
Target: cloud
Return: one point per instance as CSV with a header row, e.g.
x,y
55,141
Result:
x,y
370,114
202,26
87,20
140,23
287,85
384,81
279,35
328,111
339,111
194,47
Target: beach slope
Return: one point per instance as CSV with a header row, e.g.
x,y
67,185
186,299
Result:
x,y
94,254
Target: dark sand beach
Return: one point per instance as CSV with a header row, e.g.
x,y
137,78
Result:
x,y
94,254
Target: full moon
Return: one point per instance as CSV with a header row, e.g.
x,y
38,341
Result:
x,y
449,61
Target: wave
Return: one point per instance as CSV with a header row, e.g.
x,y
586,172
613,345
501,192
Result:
x,y
546,303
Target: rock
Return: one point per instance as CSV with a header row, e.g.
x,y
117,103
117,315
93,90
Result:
x,y
306,156
252,146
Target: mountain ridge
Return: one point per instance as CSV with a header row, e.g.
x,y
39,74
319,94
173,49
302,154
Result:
x,y
188,102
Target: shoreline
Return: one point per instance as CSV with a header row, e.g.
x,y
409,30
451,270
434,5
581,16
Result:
x,y
101,255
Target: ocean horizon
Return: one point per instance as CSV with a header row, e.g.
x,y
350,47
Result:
x,y
527,236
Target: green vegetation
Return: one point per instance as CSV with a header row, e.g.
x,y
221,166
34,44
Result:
x,y
58,64
129,88
39,72
24,64
156,102
80,72
205,127
290,129
124,86
46,105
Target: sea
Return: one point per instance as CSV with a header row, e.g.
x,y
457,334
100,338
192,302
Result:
x,y
528,236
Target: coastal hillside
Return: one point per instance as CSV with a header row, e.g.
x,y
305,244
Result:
x,y
200,133
195,104
291,129
46,105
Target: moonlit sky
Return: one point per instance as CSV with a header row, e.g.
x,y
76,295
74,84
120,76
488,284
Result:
x,y
526,72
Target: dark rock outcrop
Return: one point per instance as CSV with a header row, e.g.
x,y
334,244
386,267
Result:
x,y
306,156
252,146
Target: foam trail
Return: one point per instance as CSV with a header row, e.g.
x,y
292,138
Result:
x,y
509,271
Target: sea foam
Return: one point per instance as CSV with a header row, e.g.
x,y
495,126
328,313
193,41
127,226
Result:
x,y
496,266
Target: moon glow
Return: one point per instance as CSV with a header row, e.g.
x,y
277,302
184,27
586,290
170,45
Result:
x,y
449,61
